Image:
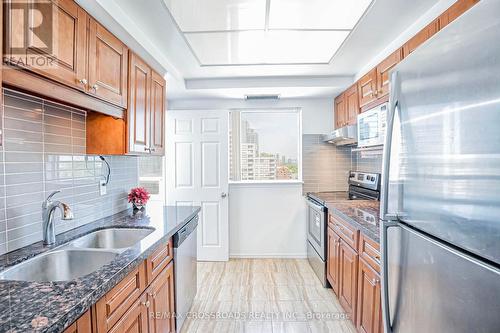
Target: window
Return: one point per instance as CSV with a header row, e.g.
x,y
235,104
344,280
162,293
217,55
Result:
x,y
264,145
151,176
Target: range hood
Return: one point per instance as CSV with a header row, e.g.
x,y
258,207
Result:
x,y
347,135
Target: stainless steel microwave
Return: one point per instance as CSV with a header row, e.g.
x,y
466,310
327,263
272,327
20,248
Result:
x,y
371,126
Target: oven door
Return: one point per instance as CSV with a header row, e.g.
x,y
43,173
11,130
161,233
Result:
x,y
316,220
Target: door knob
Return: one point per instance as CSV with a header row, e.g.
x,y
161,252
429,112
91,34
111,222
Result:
x,y
223,195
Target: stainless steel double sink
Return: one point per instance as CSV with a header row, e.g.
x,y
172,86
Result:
x,y
77,258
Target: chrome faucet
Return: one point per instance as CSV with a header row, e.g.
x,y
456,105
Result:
x,y
48,208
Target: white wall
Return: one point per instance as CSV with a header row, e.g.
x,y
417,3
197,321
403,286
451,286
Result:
x,y
317,113
267,221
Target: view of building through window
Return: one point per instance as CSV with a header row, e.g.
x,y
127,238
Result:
x,y
264,145
151,176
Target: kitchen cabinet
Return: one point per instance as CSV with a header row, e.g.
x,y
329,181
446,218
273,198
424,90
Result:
x,y
160,301
113,306
369,312
422,36
457,9
383,69
81,325
340,111
352,104
135,318
332,262
158,90
108,66
348,279
157,261
57,49
138,115
367,88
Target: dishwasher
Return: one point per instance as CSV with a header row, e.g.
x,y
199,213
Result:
x,y
185,258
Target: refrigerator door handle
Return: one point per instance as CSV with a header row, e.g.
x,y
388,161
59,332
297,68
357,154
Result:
x,y
386,316
393,107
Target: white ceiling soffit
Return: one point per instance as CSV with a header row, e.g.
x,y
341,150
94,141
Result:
x,y
265,32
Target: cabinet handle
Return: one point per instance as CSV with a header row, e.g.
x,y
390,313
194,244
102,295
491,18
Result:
x,y
83,81
375,281
152,295
95,87
147,149
152,149
146,304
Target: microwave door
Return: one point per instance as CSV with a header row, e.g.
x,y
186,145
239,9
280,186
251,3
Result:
x,y
368,129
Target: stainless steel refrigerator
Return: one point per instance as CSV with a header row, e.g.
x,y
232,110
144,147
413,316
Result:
x,y
440,205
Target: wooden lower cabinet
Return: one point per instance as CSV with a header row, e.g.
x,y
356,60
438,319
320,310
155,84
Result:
x,y
161,302
81,325
369,312
348,279
141,302
332,263
135,319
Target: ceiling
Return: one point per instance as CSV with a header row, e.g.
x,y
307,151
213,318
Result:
x,y
254,32
229,48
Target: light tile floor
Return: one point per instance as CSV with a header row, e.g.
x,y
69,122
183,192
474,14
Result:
x,y
264,296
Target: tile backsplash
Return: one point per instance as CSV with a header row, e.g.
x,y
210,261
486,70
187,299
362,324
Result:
x,y
43,150
325,167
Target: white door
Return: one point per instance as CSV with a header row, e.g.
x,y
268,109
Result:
x,y
197,174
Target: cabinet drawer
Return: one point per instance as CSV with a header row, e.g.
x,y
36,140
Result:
x,y
116,302
346,231
159,260
370,252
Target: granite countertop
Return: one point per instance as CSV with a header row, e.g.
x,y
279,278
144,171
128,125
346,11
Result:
x,y
363,214
52,306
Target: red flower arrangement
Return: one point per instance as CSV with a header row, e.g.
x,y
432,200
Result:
x,y
138,196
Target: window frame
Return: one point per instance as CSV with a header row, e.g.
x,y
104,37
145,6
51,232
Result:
x,y
295,110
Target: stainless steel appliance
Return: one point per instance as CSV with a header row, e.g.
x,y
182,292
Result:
x,y
371,126
343,136
362,185
185,256
440,204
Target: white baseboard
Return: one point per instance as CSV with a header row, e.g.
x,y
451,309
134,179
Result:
x,y
269,256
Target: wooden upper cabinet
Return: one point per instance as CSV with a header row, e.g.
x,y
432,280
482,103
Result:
x,y
340,111
332,263
108,66
383,69
158,91
48,38
367,88
352,104
422,36
138,114
348,278
161,302
457,9
369,314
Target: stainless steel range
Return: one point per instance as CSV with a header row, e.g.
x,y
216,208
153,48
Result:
x,y
362,186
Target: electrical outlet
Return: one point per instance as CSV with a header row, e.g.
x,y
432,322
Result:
x,y
102,187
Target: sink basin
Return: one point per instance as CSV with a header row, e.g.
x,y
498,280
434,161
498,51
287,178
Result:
x,y
112,238
59,265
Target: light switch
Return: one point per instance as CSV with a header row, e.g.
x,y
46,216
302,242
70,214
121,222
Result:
x,y
102,187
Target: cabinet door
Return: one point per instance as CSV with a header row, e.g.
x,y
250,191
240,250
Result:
x,y
348,279
332,262
139,115
135,319
367,88
108,61
158,86
81,325
48,38
383,69
161,302
420,38
369,314
352,104
457,9
340,111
